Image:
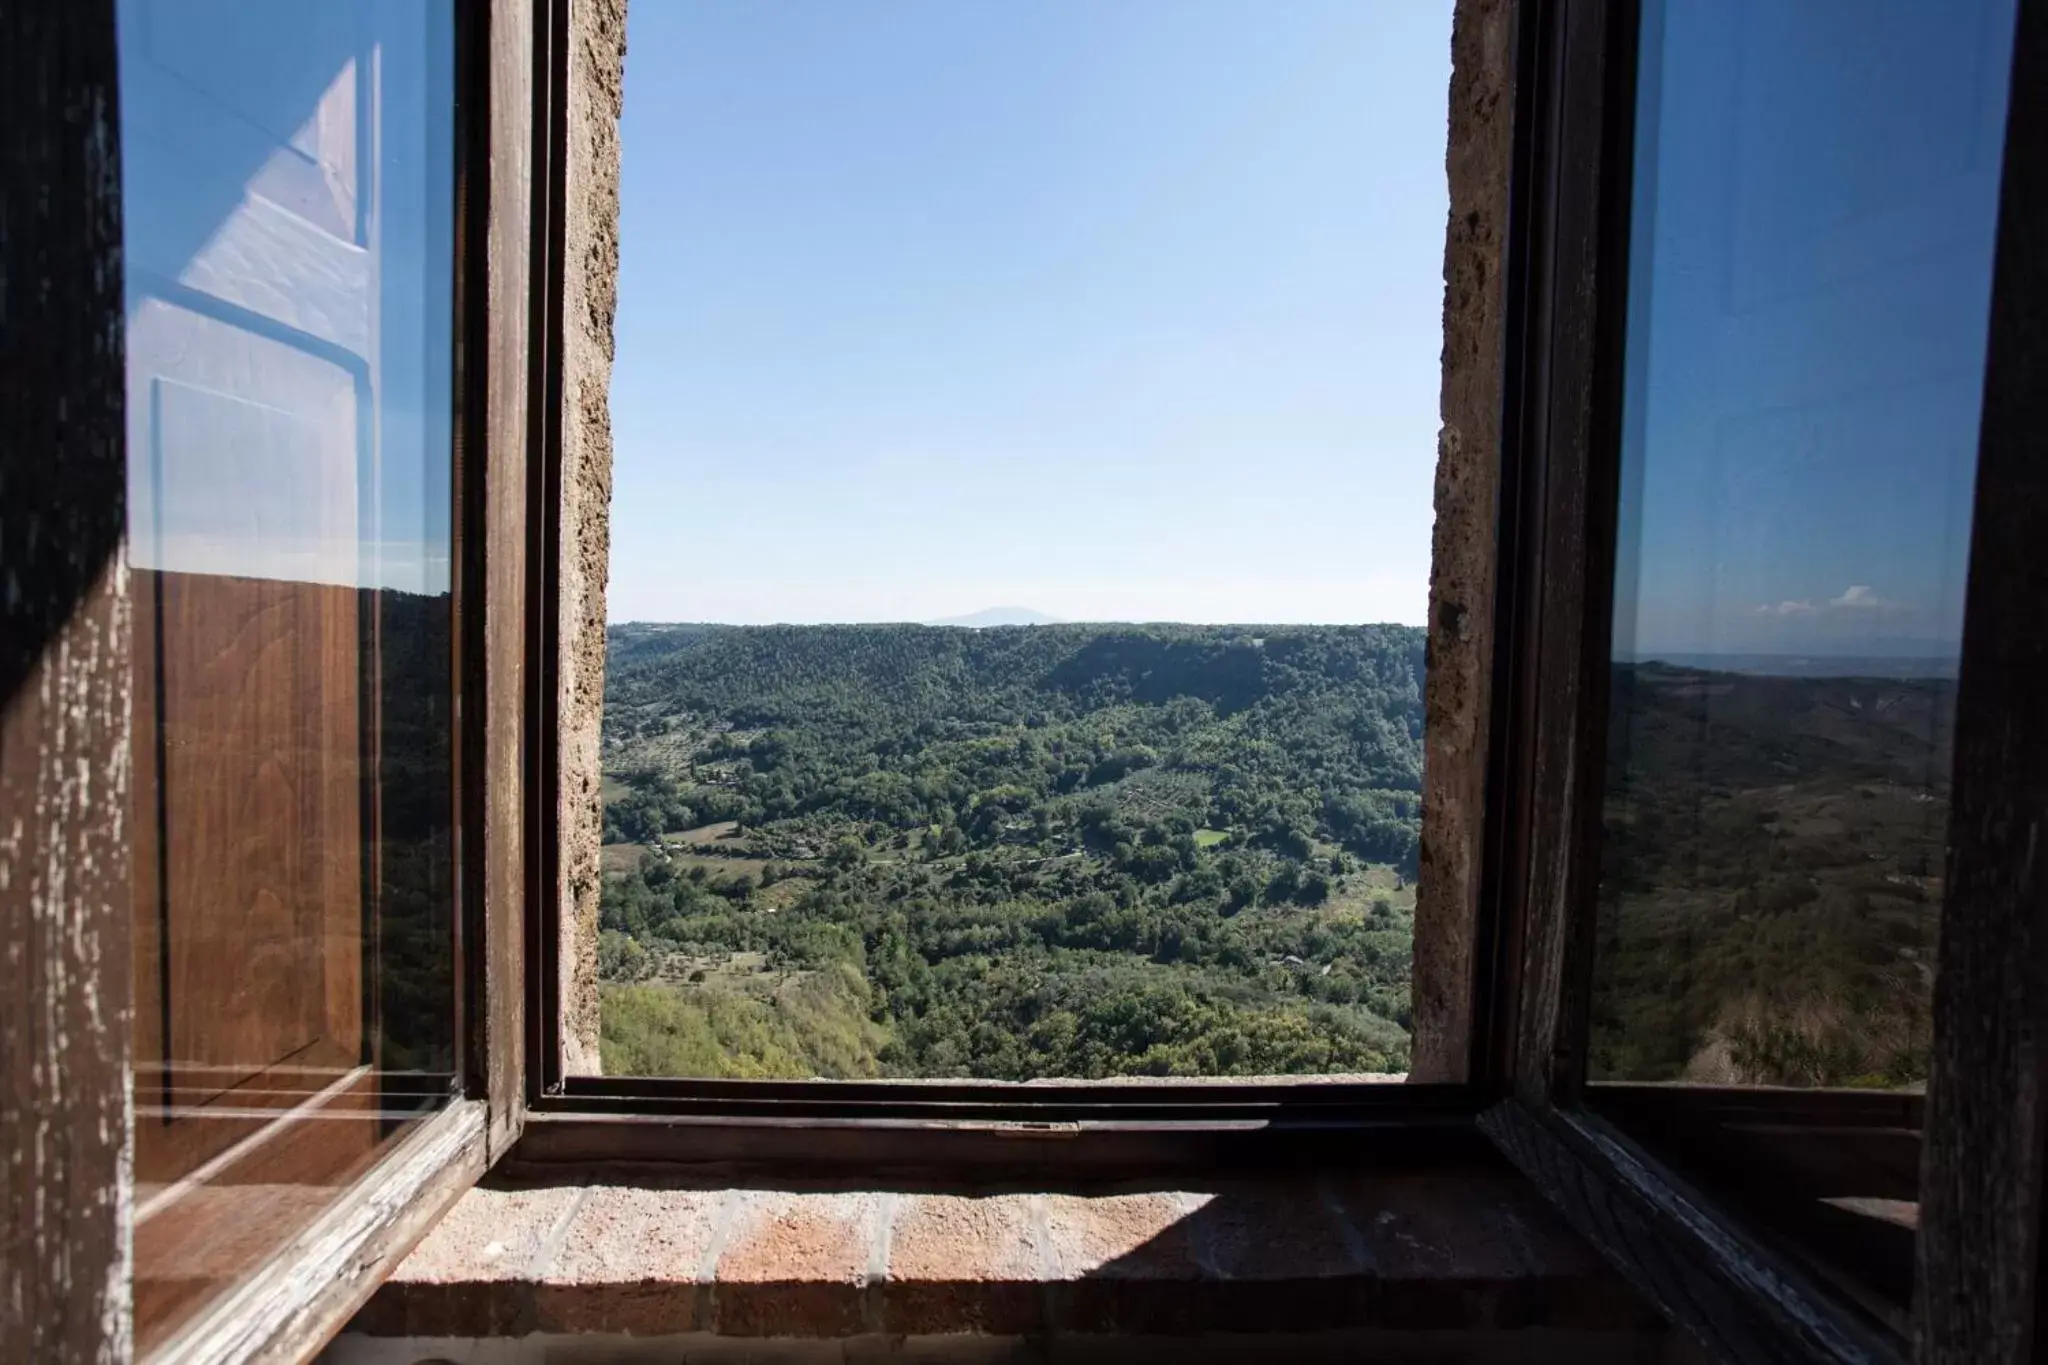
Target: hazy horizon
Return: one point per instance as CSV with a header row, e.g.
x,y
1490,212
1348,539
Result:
x,y
958,622
1905,659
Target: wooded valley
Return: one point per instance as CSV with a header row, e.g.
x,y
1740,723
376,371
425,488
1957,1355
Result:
x,y
1056,850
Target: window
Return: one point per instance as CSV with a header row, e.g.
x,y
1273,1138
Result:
x,y
248,898
1754,912
297,523
1130,316
288,198
1809,298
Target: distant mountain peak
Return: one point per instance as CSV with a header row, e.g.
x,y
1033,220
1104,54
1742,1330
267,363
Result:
x,y
998,616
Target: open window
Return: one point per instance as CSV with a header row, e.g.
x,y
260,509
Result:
x,y
1730,932
290,249
307,294
1753,282
1762,934
1129,314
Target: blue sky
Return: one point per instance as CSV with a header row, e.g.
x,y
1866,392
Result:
x,y
1815,212
1112,310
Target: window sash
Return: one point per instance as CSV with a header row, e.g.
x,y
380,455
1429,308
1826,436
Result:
x,y
64,733
1986,1112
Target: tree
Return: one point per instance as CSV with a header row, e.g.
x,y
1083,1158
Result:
x,y
620,957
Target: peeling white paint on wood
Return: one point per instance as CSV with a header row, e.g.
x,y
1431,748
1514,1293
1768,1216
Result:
x,y
312,1285
67,1253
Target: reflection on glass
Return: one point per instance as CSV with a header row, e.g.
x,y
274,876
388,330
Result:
x,y
288,203
1815,195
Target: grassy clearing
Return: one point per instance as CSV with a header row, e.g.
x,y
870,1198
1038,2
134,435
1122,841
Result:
x,y
705,834
1384,880
618,859
783,894
734,971
1359,893
720,867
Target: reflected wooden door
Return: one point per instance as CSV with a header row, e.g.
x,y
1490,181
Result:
x,y
252,334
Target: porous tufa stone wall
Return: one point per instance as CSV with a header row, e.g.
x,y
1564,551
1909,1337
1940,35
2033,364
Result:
x,y
590,288
1457,694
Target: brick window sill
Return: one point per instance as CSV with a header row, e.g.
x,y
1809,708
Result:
x,y
1435,1257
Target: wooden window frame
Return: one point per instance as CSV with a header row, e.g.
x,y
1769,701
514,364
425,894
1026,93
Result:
x,y
949,1130
66,1037
64,883
1977,1274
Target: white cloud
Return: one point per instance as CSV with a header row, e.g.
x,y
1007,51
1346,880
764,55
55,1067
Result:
x,y
1860,597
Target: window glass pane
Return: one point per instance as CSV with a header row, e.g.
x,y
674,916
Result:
x,y
288,196
1816,190
1026,423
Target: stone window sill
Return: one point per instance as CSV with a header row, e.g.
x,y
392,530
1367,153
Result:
x,y
1437,1255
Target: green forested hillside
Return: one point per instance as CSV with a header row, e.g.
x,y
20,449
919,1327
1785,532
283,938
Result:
x,y
1771,883
1020,852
